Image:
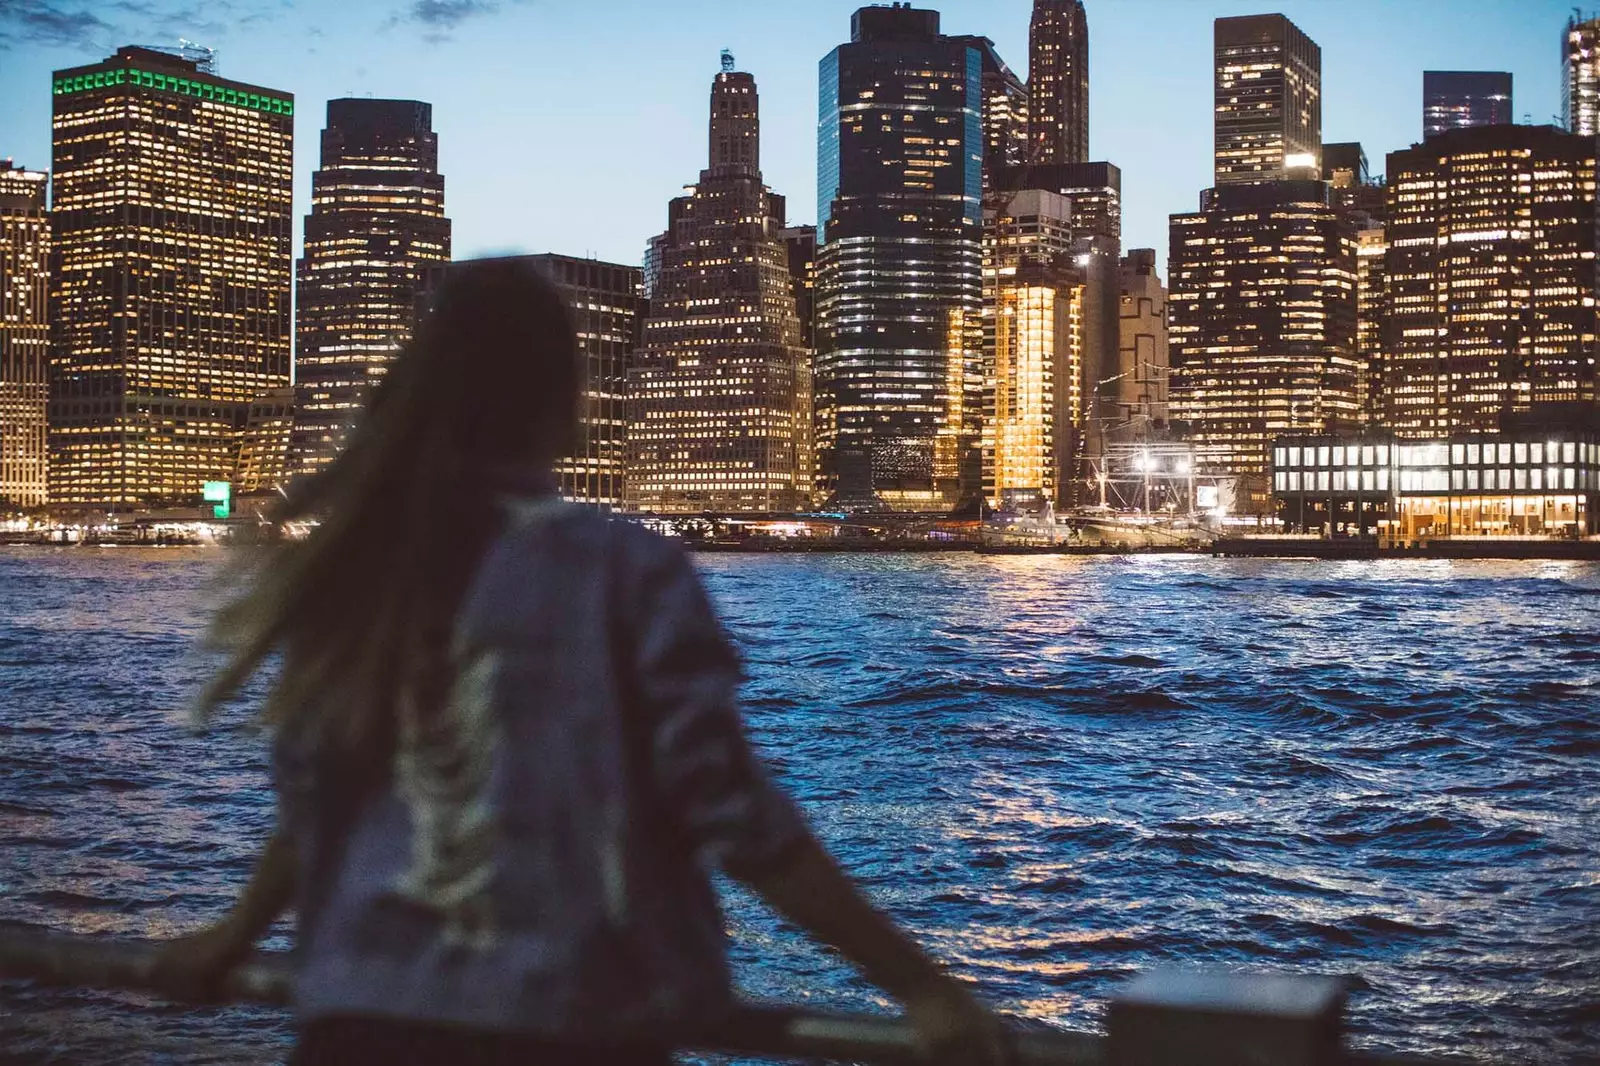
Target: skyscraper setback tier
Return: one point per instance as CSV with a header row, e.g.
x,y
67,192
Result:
x,y
1268,115
1454,99
170,275
1058,82
1261,323
24,336
719,393
1489,301
376,224
899,269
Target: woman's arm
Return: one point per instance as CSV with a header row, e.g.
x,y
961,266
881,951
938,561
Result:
x,y
192,966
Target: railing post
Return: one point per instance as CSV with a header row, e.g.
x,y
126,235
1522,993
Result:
x,y
1226,1019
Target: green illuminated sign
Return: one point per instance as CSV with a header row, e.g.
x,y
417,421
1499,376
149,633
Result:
x,y
219,493
171,83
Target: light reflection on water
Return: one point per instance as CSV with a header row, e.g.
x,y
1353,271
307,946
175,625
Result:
x,y
1056,770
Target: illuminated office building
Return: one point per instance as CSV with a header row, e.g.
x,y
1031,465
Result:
x,y
1268,122
1456,99
1033,319
1580,76
1058,82
376,223
1261,325
719,394
899,269
170,277
1139,390
1490,279
264,456
1351,188
1523,481
24,336
1372,249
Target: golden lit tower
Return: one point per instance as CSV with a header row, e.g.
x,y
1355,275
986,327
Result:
x,y
170,275
1268,123
1580,82
24,335
1490,275
719,393
376,224
1058,82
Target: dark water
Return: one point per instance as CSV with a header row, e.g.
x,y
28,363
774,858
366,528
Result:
x,y
1056,771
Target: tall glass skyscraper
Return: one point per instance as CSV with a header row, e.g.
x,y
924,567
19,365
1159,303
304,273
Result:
x,y
1580,75
376,224
171,234
899,273
1268,88
1455,99
24,335
1058,82
719,395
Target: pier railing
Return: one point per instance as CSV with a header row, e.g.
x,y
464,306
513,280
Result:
x,y
1195,1019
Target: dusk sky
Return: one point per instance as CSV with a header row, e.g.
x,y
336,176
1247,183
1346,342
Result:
x,y
566,126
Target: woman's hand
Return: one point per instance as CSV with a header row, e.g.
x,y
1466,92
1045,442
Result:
x,y
194,967
953,1026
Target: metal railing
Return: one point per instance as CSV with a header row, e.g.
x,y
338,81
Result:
x,y
1256,1020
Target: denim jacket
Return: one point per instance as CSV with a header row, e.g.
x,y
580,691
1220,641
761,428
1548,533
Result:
x,y
615,774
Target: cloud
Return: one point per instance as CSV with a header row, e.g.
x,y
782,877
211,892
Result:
x,y
102,25
437,18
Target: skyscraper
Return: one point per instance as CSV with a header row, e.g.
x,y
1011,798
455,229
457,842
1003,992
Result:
x,y
1033,320
1580,75
1490,301
1143,364
1268,123
1005,111
1058,82
899,269
607,308
719,394
1261,323
1351,187
376,223
1453,99
24,336
169,278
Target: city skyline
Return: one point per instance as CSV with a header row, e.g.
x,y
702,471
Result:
x,y
506,194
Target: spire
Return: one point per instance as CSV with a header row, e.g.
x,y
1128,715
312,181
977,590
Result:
x,y
735,121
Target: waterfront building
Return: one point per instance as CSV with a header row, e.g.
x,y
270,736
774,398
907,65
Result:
x,y
1033,321
1268,90
170,275
264,456
1140,390
1490,279
1580,75
1262,324
899,264
1524,481
1058,82
376,223
1455,99
1372,248
24,336
607,306
719,396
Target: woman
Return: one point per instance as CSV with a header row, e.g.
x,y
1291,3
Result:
x,y
507,742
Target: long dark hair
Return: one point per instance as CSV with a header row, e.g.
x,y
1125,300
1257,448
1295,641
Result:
x,y
364,606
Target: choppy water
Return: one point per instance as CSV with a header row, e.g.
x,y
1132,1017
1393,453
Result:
x,y
1056,771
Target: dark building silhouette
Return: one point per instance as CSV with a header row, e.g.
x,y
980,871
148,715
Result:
x,y
1261,323
170,280
719,394
24,336
1058,82
899,269
1490,304
801,244
1268,123
376,223
1453,99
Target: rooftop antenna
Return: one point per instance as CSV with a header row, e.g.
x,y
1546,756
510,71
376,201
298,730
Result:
x,y
727,61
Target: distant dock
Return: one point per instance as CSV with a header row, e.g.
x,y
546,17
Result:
x,y
1297,547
